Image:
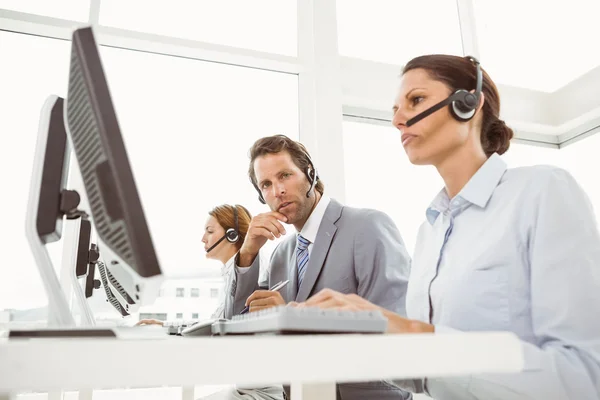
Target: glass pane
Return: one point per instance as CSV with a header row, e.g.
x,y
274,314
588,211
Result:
x,y
543,46
394,31
581,160
20,283
187,127
380,176
76,10
264,25
522,155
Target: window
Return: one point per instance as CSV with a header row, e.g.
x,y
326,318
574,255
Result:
x,y
24,289
380,176
195,292
214,293
191,115
77,10
521,155
394,31
179,292
581,160
179,315
195,315
197,117
559,32
264,25
158,316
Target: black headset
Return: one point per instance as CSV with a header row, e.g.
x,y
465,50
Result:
x,y
232,234
311,174
463,103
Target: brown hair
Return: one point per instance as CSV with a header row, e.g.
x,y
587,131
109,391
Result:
x,y
276,144
224,215
460,73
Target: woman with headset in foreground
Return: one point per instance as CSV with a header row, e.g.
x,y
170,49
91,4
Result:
x,y
224,233
500,249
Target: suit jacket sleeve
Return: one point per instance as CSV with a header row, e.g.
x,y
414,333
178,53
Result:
x,y
244,282
382,263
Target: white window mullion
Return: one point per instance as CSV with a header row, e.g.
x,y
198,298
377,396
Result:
x,y
468,28
320,91
94,16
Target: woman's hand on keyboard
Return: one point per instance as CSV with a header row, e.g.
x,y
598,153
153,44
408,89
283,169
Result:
x,y
328,298
150,322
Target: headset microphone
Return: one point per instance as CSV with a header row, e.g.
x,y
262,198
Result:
x,y
463,103
232,234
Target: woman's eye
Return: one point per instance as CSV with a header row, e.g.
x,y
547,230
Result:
x,y
417,99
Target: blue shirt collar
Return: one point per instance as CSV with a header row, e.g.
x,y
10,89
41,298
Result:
x,y
477,191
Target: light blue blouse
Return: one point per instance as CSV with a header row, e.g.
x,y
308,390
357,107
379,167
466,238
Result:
x,y
516,250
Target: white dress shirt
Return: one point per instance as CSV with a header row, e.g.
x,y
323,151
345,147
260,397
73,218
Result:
x,y
516,250
227,275
311,227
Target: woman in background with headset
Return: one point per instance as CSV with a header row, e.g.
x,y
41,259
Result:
x,y
224,233
500,250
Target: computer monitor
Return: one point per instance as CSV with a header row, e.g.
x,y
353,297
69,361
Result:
x,y
127,265
124,240
49,202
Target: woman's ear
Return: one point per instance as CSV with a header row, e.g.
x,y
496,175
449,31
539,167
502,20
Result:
x,y
481,102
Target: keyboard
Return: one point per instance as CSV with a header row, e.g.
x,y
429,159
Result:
x,y
292,320
176,327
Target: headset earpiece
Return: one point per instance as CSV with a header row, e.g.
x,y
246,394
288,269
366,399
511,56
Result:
x,y
463,108
260,196
312,175
232,234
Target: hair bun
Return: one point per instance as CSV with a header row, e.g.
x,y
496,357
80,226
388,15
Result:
x,y
496,138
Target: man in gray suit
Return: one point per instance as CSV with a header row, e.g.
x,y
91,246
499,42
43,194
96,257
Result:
x,y
346,249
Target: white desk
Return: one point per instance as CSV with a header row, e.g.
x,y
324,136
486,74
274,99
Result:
x,y
310,363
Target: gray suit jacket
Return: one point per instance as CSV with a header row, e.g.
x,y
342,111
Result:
x,y
356,251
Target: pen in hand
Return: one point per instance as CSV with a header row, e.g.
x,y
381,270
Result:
x,y
277,287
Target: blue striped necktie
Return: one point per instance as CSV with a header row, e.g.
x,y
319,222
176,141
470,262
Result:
x,y
302,258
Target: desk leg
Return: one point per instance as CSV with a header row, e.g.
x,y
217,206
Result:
x,y
313,391
187,393
55,395
86,394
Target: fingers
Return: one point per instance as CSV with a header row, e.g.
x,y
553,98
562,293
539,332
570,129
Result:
x,y
149,322
264,294
264,232
332,302
270,221
322,296
275,227
267,302
278,215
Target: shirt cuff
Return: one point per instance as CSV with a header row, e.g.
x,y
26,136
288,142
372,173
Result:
x,y
241,270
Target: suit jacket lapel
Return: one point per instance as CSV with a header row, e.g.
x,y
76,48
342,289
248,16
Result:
x,y
319,250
